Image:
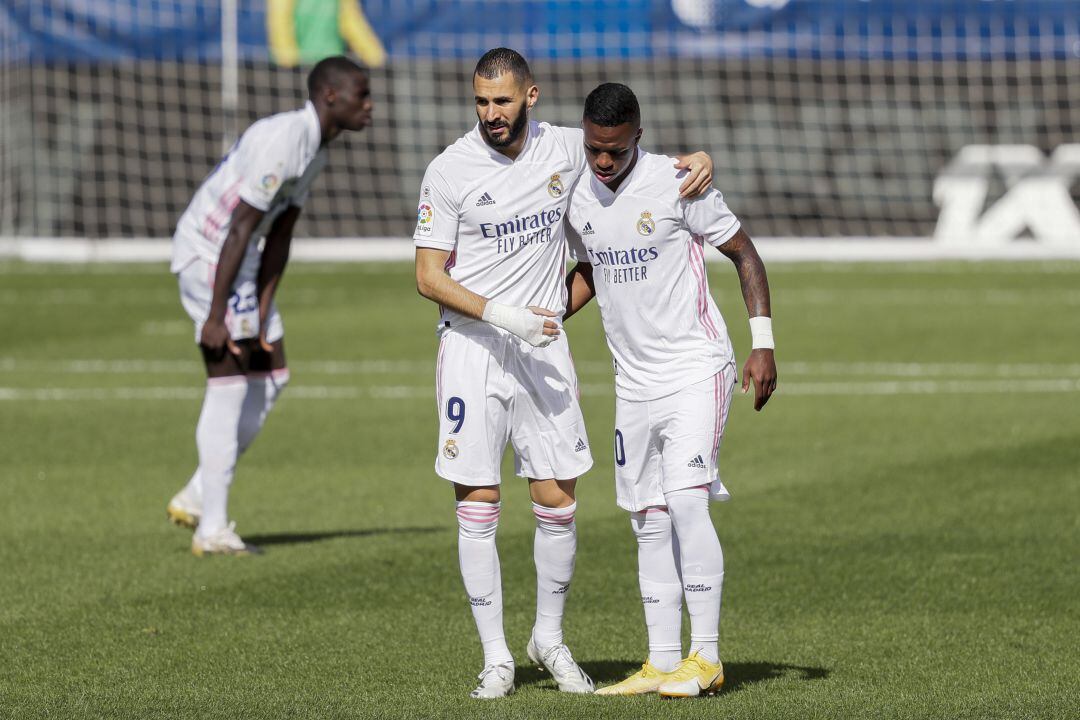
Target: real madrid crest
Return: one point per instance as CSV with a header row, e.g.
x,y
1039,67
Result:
x,y
555,188
450,449
645,224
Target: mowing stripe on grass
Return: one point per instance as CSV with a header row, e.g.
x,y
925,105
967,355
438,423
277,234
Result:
x,y
380,366
349,392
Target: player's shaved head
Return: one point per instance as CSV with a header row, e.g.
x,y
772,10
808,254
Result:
x,y
497,61
341,93
331,72
612,104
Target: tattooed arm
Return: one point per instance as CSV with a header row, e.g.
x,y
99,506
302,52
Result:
x,y
761,365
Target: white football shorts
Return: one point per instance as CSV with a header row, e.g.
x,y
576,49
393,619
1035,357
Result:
x,y
671,443
492,387
242,315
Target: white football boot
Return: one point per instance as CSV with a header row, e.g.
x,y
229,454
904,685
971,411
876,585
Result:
x,y
224,542
183,510
558,661
496,681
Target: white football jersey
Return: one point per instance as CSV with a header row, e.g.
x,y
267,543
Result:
x,y
502,219
270,168
645,244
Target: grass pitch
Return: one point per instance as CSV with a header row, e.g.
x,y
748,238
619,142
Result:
x,y
902,542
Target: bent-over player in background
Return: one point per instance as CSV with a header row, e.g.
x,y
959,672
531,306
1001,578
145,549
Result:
x,y
228,279
641,253
490,250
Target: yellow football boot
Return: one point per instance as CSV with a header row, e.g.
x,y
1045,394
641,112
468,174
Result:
x,y
694,676
182,512
645,680
224,542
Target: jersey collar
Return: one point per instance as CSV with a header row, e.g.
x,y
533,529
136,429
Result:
x,y
600,190
532,129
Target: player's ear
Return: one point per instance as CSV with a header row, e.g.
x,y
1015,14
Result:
x,y
532,95
637,137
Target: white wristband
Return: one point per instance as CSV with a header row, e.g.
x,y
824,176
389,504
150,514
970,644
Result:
x,y
761,332
520,321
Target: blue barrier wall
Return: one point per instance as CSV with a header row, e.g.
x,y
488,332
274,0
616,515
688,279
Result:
x,y
111,30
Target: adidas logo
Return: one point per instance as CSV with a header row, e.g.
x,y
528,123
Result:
x,y
698,462
582,446
485,199
587,230
561,590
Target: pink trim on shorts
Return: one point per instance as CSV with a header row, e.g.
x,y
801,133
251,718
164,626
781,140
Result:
x,y
718,399
725,406
438,375
721,392
655,509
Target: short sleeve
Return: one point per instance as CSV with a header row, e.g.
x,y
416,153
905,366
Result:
x,y
437,213
265,164
574,140
709,217
574,243
311,172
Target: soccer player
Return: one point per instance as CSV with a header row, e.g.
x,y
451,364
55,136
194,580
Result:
x,y
228,279
491,251
641,253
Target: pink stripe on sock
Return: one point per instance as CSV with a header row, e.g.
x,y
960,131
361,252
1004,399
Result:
x,y
477,513
553,515
477,516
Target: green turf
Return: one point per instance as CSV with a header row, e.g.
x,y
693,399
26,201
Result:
x,y
903,539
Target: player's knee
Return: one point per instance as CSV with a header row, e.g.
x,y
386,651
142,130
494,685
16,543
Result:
x,y
651,525
688,505
484,494
553,493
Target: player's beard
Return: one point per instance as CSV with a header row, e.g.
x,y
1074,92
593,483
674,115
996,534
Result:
x,y
514,131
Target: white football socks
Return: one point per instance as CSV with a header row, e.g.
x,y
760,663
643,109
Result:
x,y
216,439
702,567
263,390
661,586
479,559
554,548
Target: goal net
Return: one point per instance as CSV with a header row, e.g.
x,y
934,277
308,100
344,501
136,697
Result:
x,y
826,118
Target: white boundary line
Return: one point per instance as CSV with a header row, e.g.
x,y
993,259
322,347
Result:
x,y
427,392
388,366
391,249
